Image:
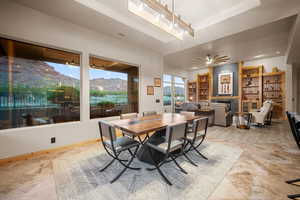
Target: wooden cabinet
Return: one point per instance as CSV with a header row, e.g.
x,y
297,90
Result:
x,y
250,88
256,87
274,89
192,91
203,86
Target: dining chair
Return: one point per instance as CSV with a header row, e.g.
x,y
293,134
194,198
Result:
x,y
129,116
172,148
114,146
196,137
188,114
294,122
291,119
149,113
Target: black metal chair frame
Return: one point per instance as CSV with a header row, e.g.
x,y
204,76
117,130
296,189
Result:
x,y
192,144
293,128
269,118
296,136
168,155
115,155
149,113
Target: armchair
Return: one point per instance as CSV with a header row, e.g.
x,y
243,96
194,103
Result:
x,y
223,117
260,116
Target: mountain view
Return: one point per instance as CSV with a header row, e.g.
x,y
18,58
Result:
x,y
40,74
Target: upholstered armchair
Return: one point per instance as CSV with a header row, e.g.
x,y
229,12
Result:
x,y
223,115
260,116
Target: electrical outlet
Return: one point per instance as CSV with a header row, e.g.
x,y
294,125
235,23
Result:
x,y
53,140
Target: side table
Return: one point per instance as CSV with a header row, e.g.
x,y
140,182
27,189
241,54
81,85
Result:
x,y
243,120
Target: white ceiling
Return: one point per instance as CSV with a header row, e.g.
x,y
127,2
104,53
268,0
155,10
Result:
x,y
200,13
213,19
265,41
203,13
111,17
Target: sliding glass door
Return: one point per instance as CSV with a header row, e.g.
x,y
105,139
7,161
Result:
x,y
174,91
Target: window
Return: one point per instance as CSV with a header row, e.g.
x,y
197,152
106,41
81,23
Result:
x,y
174,90
167,83
38,85
113,88
179,90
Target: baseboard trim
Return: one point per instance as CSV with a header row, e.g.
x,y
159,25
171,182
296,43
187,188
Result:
x,y
47,151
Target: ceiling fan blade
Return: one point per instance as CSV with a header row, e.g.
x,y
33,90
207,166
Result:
x,y
222,57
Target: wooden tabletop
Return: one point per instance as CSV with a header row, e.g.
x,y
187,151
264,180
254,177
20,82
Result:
x,y
144,125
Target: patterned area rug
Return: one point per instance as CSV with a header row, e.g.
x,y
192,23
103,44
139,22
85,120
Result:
x,y
79,178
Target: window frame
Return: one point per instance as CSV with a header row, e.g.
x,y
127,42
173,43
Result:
x,y
81,69
173,92
89,55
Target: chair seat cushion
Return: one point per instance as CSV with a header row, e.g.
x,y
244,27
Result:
x,y
163,147
199,135
122,143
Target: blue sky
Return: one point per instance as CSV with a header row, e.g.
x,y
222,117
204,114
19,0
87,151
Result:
x,y
74,72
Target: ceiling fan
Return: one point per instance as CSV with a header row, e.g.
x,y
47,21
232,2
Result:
x,y
211,60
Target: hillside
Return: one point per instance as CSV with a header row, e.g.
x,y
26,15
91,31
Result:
x,y
33,73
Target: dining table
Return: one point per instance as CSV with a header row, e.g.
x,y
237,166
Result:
x,y
140,128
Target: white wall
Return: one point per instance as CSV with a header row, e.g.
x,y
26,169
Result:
x,y
192,76
26,24
269,63
175,71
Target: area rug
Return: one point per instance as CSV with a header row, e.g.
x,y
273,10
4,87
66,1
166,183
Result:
x,y
78,177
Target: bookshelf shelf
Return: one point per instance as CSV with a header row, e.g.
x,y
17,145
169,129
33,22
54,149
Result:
x,y
192,91
251,87
203,81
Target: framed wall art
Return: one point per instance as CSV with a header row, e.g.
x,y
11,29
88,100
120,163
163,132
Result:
x,y
225,84
157,82
150,90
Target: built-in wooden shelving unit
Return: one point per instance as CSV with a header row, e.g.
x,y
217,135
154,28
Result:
x,y
192,91
203,86
250,87
274,89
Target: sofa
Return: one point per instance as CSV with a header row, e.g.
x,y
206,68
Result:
x,y
221,114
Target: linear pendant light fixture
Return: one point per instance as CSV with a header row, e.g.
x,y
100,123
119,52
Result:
x,y
159,15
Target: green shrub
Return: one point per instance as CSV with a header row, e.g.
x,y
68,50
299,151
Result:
x,y
106,104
